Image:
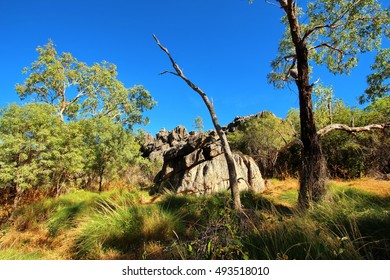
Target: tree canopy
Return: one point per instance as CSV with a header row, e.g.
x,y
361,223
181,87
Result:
x,y
78,90
335,33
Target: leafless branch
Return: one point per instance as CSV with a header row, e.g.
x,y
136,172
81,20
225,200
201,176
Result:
x,y
281,135
290,57
168,72
318,27
273,3
290,144
349,129
316,82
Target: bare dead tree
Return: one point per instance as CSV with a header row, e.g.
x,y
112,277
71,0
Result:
x,y
233,178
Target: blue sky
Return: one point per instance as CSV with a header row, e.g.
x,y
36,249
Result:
x,y
225,47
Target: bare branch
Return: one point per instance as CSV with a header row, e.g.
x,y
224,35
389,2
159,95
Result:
x,y
290,57
316,82
281,135
180,74
327,45
349,129
273,4
318,27
290,144
168,72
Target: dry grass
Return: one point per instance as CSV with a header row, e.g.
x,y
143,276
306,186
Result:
x,y
277,187
378,187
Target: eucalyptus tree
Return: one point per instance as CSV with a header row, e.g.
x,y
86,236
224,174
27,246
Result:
x,y
36,150
325,32
108,149
78,90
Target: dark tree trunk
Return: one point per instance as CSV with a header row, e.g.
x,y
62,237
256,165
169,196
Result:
x,y
313,169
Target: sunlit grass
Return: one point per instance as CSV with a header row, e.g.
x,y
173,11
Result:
x,y
352,222
124,229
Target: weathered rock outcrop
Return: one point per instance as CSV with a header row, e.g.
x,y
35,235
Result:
x,y
194,163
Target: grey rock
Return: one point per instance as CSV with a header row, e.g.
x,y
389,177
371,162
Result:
x,y
195,163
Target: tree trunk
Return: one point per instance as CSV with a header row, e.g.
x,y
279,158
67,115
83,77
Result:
x,y
101,180
313,169
18,197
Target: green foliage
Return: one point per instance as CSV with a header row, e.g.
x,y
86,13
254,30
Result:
x,y
39,151
78,90
335,32
348,156
16,255
56,214
213,230
32,153
378,81
108,149
198,124
262,138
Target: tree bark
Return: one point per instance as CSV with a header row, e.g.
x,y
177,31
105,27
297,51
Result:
x,y
233,178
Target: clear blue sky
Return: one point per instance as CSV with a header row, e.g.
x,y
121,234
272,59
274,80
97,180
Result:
x,y
225,47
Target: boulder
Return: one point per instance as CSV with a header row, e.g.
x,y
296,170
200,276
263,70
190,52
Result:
x,y
195,163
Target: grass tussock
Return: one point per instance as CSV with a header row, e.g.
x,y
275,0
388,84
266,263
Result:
x,y
353,222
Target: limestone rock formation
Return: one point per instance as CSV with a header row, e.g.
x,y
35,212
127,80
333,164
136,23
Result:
x,y
194,163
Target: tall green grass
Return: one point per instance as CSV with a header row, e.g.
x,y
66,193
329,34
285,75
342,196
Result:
x,y
124,230
349,224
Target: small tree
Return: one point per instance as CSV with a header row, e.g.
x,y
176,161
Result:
x,y
78,90
107,147
198,124
262,138
32,154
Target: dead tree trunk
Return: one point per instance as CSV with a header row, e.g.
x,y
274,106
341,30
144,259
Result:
x,y
233,178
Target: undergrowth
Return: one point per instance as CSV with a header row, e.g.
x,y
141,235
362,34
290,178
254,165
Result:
x,y
130,224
